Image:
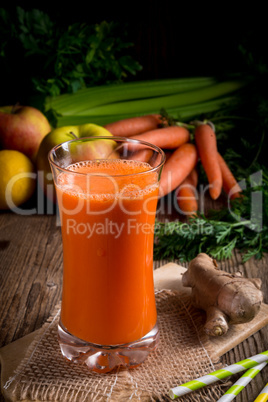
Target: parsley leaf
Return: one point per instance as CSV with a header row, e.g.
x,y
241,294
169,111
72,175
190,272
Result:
x,y
58,59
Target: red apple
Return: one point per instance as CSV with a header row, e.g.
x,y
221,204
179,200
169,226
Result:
x,y
22,128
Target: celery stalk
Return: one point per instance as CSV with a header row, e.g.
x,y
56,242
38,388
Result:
x,y
182,113
92,97
170,101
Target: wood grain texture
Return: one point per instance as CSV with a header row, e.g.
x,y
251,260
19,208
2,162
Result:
x,y
31,280
30,273
257,342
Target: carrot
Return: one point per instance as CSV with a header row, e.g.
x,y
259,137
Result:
x,y
167,137
168,153
177,167
206,143
143,155
229,182
134,125
186,194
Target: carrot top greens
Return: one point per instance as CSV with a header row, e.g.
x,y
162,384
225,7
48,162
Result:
x,y
242,226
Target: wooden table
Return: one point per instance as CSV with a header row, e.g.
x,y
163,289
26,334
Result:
x,y
31,280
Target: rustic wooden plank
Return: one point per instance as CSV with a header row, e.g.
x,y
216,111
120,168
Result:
x,y
257,342
31,264
31,278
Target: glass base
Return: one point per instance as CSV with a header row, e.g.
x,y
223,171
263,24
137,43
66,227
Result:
x,y
103,359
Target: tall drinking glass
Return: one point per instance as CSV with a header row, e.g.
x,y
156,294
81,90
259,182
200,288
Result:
x,y
107,192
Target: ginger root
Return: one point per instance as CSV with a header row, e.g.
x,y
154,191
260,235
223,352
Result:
x,y
226,298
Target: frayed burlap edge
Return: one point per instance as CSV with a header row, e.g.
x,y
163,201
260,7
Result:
x,y
183,354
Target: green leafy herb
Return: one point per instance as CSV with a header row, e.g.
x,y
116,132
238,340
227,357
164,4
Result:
x,y
60,59
242,226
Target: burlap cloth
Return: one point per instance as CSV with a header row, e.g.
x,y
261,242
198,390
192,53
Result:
x,y
181,356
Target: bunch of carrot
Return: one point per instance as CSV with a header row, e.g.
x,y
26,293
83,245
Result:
x,y
180,171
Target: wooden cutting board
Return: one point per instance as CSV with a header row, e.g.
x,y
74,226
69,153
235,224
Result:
x,y
166,277
169,277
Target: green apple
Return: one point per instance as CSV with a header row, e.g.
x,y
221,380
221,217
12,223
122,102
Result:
x,y
22,128
84,130
92,150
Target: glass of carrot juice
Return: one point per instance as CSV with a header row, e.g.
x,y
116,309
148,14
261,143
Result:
x,y
107,193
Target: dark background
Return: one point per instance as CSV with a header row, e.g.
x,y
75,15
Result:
x,y
171,39
174,38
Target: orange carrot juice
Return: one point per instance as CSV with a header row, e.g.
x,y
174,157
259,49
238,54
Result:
x,y
107,218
